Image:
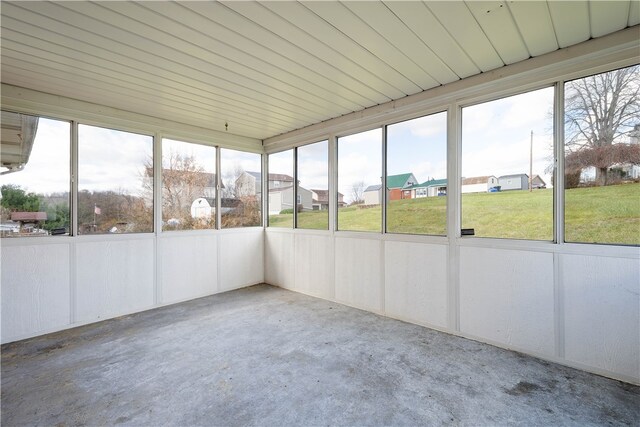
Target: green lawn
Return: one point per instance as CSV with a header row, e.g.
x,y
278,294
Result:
x,y
603,214
598,214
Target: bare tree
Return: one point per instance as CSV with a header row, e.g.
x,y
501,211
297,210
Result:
x,y
357,192
183,181
600,111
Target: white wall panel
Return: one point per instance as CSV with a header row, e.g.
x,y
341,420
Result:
x,y
35,289
189,267
359,272
113,278
507,296
241,258
314,265
416,282
602,312
279,259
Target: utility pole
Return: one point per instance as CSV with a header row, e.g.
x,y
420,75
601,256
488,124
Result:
x,y
531,163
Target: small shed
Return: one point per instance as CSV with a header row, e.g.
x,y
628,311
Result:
x,y
514,182
372,195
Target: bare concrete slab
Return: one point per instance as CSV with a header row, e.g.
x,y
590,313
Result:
x,y
267,356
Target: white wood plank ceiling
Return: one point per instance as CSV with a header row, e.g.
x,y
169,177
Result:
x,y
267,68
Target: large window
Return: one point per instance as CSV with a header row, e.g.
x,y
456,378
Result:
x,y
35,183
188,185
360,181
281,189
602,158
313,186
507,165
417,176
115,191
241,191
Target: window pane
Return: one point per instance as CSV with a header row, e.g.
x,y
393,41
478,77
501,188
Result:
x,y
313,186
602,158
188,186
281,189
504,142
417,176
35,156
115,193
242,188
360,180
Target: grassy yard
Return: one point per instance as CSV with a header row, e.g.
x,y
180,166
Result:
x,y
598,214
603,214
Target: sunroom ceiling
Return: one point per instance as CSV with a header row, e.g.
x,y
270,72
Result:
x,y
266,68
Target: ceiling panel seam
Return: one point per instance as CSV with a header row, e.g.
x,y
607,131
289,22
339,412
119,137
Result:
x,y
269,49
332,36
323,92
395,45
311,53
360,68
393,66
454,39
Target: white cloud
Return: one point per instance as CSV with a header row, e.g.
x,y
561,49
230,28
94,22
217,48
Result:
x,y
423,127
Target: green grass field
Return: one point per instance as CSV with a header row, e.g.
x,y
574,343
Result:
x,y
593,215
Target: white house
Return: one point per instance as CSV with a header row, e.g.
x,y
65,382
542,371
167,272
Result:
x,y
431,188
320,200
479,184
281,198
250,183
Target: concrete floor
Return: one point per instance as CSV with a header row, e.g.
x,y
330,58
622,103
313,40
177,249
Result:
x,y
267,356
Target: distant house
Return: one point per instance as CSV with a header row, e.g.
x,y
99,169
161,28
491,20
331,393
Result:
x,y
478,184
320,200
514,182
372,195
431,188
250,183
281,198
398,186
277,180
538,183
29,221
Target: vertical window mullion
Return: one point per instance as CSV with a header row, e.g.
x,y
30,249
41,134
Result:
x,y
384,194
73,226
295,188
218,191
558,164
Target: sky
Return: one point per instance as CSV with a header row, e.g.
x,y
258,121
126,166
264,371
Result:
x,y
112,160
232,161
418,146
48,168
313,161
496,135
205,155
359,159
495,141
